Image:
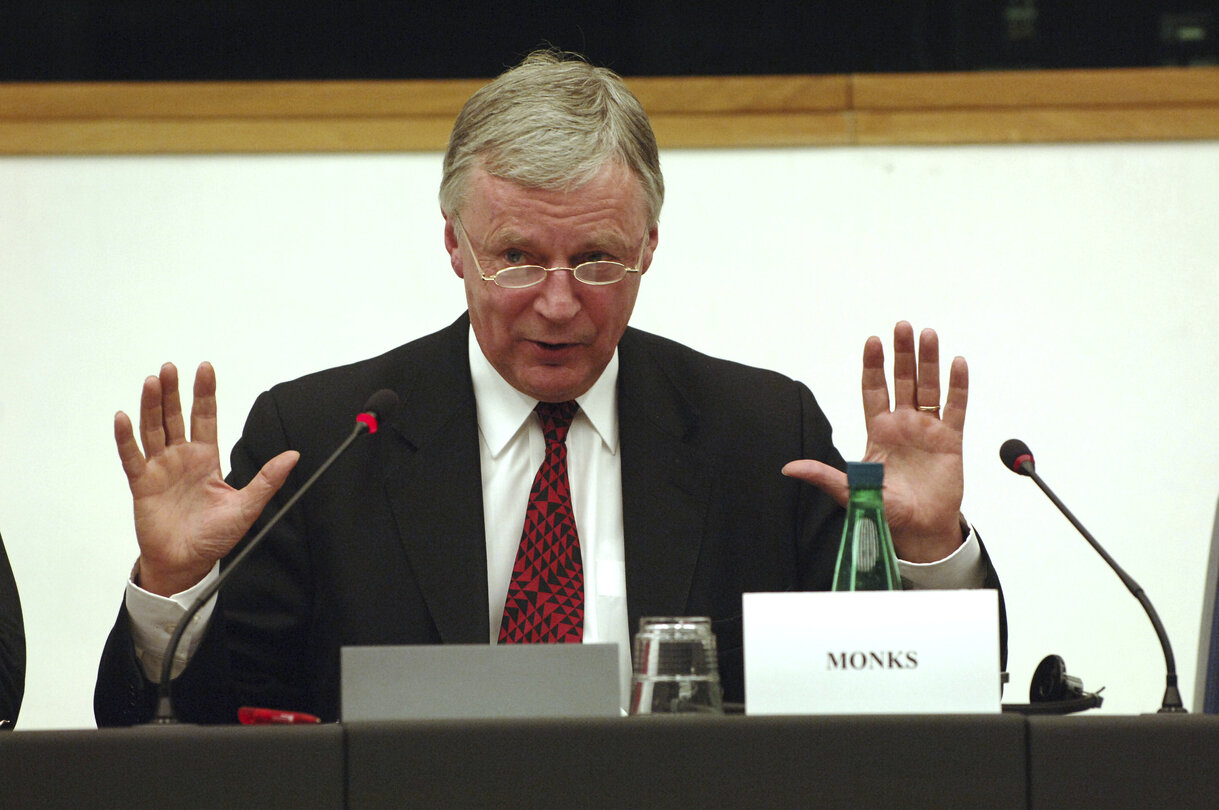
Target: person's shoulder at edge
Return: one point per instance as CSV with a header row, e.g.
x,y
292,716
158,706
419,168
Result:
x,y
12,645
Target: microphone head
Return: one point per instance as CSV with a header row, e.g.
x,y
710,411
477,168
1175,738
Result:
x,y
1017,456
378,405
381,403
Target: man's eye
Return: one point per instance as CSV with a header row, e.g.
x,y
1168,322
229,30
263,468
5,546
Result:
x,y
514,257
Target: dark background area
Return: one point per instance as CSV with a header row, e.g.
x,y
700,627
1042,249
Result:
x,y
95,40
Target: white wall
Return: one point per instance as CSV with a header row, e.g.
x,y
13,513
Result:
x,y
1080,281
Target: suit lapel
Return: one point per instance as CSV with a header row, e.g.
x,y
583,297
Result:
x,y
434,486
665,485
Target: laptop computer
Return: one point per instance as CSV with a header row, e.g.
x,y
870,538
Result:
x,y
447,681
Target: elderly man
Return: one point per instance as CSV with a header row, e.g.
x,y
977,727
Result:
x,y
662,469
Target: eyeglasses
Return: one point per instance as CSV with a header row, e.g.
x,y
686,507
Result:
x,y
519,276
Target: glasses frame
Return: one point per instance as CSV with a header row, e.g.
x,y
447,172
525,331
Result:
x,y
575,271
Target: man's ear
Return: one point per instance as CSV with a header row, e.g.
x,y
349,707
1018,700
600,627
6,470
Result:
x,y
649,248
453,245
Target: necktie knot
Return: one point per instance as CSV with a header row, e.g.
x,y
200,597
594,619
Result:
x,y
556,419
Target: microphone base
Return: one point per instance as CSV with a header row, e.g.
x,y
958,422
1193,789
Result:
x,y
1172,704
164,715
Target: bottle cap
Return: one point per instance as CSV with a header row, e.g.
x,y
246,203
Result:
x,y
865,474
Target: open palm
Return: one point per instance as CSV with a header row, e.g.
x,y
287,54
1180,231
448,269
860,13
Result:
x,y
918,442
186,516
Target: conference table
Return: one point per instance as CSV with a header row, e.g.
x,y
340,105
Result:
x,y
992,761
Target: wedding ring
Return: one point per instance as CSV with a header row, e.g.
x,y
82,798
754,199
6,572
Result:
x,y
929,408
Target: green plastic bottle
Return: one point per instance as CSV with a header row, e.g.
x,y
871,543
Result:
x,y
866,559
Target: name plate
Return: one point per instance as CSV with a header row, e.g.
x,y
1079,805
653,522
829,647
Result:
x,y
872,652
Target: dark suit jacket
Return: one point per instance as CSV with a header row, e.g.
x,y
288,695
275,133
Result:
x,y
389,547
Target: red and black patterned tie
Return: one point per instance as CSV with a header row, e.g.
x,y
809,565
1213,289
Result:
x,y
546,594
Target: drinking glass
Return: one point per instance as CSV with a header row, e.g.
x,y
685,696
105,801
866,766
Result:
x,y
675,667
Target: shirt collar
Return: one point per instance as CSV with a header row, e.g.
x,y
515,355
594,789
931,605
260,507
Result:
x,y
502,410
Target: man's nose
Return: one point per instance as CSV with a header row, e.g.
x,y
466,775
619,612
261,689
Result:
x,y
557,297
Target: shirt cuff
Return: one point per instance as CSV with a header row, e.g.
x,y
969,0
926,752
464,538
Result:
x,y
154,618
962,568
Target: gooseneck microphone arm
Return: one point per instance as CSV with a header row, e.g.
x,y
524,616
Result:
x,y
380,403
1017,457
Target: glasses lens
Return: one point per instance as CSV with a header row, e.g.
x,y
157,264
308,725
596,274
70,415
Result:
x,y
525,275
600,272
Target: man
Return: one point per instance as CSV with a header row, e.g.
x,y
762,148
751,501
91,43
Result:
x,y
12,646
551,197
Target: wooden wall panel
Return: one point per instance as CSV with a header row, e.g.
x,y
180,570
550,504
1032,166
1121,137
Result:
x,y
752,111
1037,106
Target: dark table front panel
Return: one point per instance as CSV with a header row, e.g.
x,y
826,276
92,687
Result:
x,y
991,761
1115,761
176,768
684,762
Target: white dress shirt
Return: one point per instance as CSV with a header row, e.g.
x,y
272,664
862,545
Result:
x,y
512,448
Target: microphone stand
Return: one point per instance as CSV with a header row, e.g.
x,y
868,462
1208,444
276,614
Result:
x,y
165,710
1171,703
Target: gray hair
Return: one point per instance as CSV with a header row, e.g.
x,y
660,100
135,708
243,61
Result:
x,y
552,122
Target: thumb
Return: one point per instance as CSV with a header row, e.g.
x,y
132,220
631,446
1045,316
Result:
x,y
831,481
268,481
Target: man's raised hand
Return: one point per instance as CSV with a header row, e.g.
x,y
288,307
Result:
x,y
186,516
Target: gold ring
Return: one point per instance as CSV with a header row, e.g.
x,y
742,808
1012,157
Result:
x,y
929,408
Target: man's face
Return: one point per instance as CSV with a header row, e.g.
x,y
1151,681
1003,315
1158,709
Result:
x,y
552,340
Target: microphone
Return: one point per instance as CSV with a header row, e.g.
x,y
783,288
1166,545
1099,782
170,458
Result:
x,y
380,404
1017,457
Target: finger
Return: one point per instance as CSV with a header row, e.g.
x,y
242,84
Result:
x,y
171,406
203,410
829,480
958,394
904,366
875,386
928,369
129,450
152,426
270,478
